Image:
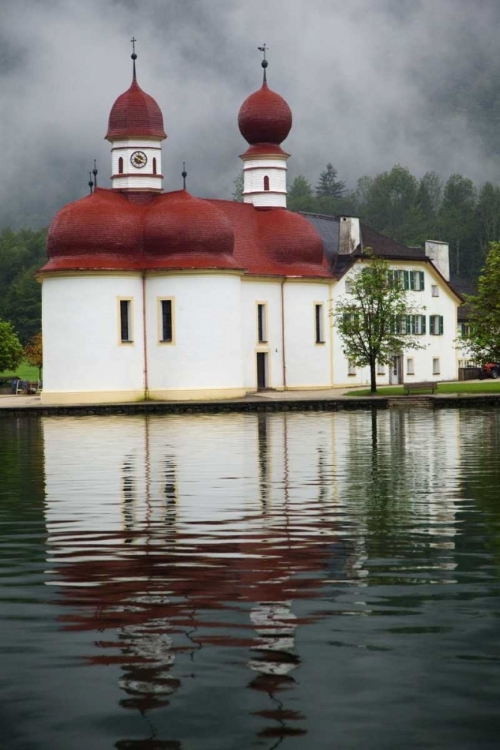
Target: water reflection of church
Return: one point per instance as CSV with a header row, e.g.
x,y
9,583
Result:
x,y
172,538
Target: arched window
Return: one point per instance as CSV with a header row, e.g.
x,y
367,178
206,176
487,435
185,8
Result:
x,y
266,182
154,165
120,165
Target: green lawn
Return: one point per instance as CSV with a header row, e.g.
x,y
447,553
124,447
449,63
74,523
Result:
x,y
24,371
471,386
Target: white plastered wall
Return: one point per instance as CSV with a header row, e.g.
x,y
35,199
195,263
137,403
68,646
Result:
x,y
204,359
308,364
84,358
269,294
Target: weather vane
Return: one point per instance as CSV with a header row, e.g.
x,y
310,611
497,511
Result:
x,y
264,62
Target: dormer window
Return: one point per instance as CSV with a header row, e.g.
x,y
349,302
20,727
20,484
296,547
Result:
x,y
266,182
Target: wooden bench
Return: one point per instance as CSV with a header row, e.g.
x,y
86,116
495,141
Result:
x,y
429,386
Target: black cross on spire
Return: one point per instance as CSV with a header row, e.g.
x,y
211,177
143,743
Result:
x,y
184,174
264,62
133,55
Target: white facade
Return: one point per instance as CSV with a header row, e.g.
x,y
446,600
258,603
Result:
x,y
436,361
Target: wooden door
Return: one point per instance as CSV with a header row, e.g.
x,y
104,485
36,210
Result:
x,y
261,370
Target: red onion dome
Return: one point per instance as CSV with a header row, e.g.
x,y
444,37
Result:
x,y
179,223
135,114
289,237
103,223
264,117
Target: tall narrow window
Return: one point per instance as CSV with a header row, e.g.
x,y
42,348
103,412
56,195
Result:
x,y
261,324
125,321
154,165
166,320
410,366
436,325
120,165
351,367
435,366
266,182
380,368
318,321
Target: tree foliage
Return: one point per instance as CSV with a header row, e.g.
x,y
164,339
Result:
x,y
483,337
328,185
21,255
11,350
33,352
372,318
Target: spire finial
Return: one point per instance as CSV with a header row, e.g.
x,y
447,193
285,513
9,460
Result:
x,y
264,62
91,183
95,172
133,56
184,174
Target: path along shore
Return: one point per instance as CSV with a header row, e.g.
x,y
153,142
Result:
x,y
331,399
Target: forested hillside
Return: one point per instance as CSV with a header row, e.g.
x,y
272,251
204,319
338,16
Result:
x,y
21,255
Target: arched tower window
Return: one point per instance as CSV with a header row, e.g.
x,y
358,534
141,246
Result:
x,y
154,165
120,165
266,182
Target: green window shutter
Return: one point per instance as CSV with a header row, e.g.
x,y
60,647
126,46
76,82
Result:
x,y
412,280
406,280
431,324
409,324
422,323
441,326
422,281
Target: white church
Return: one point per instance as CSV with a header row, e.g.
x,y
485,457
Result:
x,y
164,296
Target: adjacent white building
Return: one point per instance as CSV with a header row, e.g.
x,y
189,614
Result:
x,y
161,295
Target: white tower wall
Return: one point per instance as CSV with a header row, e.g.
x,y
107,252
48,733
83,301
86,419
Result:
x,y
133,177
255,172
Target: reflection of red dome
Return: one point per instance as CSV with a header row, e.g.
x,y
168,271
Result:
x,y
179,223
136,114
103,222
289,237
264,117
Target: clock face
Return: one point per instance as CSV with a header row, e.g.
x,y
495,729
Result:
x,y
138,159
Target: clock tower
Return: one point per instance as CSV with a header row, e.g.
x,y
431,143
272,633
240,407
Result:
x,y
135,131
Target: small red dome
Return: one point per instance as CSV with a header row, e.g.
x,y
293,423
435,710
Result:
x,y
103,222
135,114
179,223
289,237
264,117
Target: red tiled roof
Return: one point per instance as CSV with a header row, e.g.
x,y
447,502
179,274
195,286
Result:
x,y
108,230
135,114
264,117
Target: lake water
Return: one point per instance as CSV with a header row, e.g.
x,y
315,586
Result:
x,y
250,581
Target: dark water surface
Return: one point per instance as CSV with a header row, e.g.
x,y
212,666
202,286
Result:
x,y
250,581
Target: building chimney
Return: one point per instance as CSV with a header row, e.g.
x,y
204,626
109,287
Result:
x,y
439,253
350,234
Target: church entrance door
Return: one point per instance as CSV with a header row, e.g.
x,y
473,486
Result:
x,y
261,370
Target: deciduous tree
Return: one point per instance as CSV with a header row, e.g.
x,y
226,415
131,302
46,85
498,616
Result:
x,y
33,351
11,351
376,319
483,337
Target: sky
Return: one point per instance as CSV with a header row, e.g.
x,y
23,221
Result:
x,y
371,83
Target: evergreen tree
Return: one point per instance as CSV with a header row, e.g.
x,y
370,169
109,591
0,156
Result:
x,y
238,188
328,185
457,222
